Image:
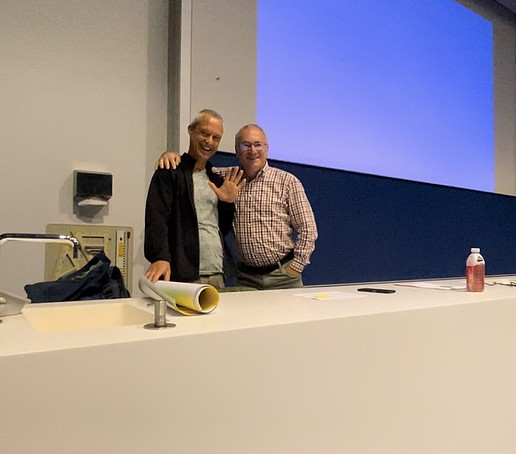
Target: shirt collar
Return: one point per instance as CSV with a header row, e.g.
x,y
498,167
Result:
x,y
262,171
190,161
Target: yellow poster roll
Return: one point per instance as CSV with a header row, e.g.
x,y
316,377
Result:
x,y
187,299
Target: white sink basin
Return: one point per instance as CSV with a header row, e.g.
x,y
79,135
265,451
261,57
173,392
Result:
x,y
60,318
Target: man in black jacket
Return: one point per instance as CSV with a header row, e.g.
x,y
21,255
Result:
x,y
190,209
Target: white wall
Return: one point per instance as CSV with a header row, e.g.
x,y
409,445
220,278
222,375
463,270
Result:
x,y
505,108
83,85
218,68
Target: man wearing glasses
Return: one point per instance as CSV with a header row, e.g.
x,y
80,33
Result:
x,y
274,225
269,210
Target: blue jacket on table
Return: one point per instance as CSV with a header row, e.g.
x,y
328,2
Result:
x,y
171,229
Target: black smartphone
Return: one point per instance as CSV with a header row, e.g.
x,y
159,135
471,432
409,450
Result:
x,y
376,290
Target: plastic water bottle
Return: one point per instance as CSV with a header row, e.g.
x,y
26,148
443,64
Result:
x,y
475,271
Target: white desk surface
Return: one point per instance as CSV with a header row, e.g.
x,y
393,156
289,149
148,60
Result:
x,y
254,309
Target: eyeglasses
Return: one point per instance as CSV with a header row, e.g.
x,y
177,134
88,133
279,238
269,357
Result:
x,y
246,146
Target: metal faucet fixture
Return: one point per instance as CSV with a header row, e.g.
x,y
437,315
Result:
x,y
160,316
43,238
11,305
160,305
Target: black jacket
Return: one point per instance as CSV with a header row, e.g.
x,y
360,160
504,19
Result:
x,y
171,230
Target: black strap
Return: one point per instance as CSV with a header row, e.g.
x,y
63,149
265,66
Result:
x,y
266,269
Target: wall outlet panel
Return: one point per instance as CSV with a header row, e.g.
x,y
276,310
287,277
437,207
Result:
x,y
114,241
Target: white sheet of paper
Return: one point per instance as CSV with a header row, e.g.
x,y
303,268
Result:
x,y
431,285
326,296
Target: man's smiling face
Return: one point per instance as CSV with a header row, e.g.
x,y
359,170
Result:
x,y
252,150
205,138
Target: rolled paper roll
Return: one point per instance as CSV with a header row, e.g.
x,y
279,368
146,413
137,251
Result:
x,y
185,298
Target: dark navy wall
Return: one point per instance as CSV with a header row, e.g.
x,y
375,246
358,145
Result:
x,y
380,229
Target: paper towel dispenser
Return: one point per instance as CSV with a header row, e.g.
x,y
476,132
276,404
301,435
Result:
x,y
92,188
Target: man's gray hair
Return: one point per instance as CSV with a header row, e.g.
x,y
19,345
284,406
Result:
x,y
243,128
195,122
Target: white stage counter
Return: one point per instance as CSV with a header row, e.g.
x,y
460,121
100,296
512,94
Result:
x,y
418,371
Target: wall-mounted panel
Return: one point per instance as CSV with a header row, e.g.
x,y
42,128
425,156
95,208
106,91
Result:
x,y
381,229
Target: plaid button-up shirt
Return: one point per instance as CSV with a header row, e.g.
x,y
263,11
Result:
x,y
269,209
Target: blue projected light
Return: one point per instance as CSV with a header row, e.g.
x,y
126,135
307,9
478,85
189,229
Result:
x,y
401,88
